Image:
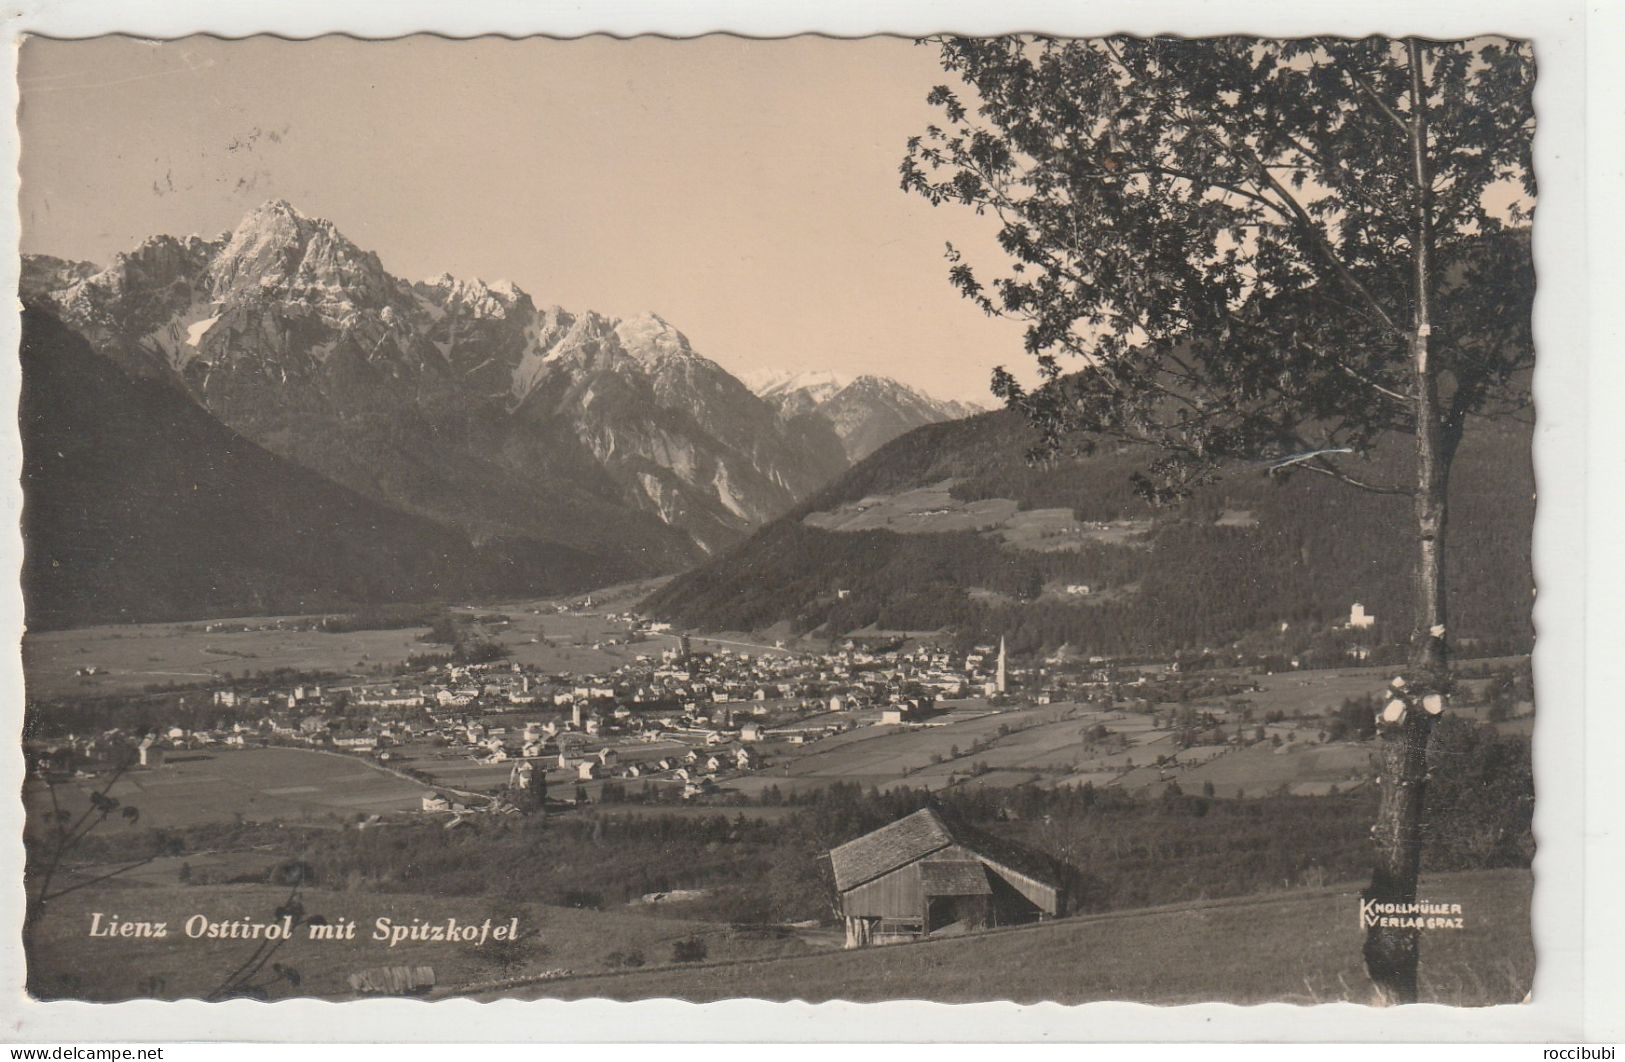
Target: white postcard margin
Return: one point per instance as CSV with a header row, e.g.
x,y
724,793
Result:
x,y
1578,563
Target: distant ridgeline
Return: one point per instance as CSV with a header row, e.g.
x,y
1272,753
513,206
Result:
x,y
1108,573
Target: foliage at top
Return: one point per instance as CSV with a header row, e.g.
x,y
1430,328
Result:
x,y
1234,235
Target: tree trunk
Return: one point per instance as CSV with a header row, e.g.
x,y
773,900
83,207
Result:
x,y
1392,951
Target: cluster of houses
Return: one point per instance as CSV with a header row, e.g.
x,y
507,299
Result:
x,y
699,715
86,754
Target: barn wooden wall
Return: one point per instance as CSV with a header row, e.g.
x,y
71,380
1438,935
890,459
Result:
x,y
1046,898
894,895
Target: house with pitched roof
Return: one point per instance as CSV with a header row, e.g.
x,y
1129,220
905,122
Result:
x,y
923,875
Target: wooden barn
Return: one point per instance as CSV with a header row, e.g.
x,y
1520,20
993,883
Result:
x,y
920,876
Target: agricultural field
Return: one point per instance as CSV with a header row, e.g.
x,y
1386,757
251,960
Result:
x,y
923,510
1315,692
1303,768
1048,745
933,510
974,743
1299,947
132,656
565,939
260,785
1045,530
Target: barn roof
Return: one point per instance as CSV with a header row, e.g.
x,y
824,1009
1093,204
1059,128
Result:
x,y
1008,855
888,848
922,833
954,877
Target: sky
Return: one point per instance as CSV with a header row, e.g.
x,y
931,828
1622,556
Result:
x,y
746,191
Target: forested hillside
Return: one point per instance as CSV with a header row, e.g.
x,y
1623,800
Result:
x,y
1239,558
138,505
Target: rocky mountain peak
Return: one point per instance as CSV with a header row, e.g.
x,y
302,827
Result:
x,y
866,411
43,274
157,259
455,398
649,338
277,252
475,298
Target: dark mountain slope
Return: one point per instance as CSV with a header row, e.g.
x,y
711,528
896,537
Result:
x,y
1233,563
138,505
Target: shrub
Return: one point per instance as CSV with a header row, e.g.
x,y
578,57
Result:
x,y
292,872
1480,811
691,950
583,898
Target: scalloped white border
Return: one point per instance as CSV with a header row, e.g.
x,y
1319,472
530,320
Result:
x,y
1578,867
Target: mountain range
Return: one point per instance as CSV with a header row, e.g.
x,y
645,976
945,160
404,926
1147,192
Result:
x,y
268,420
465,403
867,411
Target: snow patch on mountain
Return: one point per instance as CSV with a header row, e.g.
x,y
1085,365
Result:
x,y
198,329
726,495
648,337
818,383
180,338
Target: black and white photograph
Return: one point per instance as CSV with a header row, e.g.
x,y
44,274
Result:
x,y
953,518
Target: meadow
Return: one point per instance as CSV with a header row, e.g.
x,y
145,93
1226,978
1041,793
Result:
x,y
1288,937
974,743
256,785
128,658
1048,745
1301,947
68,962
934,510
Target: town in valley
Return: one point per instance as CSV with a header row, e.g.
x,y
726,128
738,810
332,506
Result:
x,y
572,713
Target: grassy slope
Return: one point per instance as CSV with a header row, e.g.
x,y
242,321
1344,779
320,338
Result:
x,y
1301,947
70,964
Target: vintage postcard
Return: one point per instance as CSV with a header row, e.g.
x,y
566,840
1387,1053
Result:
x,y
1004,518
